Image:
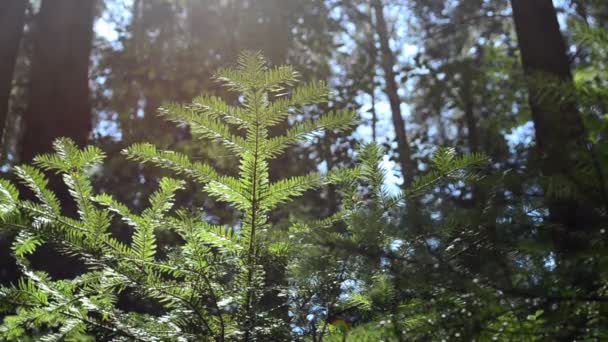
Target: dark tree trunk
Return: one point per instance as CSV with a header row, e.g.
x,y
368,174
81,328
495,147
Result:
x,y
560,133
59,104
373,62
59,92
12,15
408,166
543,53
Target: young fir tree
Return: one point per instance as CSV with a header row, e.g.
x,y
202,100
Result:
x,y
357,267
211,285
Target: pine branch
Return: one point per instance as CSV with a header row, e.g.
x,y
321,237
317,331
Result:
x,y
173,161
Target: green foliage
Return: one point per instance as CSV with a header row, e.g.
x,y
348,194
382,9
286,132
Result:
x,y
211,285
354,261
590,92
230,254
214,284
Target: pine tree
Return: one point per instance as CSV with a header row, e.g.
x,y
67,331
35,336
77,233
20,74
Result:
x,y
365,245
211,286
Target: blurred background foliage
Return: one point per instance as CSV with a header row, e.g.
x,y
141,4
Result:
x,y
521,253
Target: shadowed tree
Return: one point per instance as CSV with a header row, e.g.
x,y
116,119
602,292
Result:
x,y
560,133
59,92
59,104
12,15
387,57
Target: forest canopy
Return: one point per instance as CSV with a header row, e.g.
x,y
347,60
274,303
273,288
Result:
x,y
320,170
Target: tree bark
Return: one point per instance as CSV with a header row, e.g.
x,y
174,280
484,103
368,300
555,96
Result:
x,y
12,16
373,62
59,102
543,53
560,133
408,166
561,142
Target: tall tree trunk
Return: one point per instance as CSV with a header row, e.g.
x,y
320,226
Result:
x,y
59,92
543,54
373,63
59,104
408,166
560,134
561,140
12,15
414,217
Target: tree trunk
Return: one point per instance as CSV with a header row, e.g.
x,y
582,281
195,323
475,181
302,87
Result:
x,y
59,104
543,53
373,62
561,140
408,166
59,92
560,134
12,15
